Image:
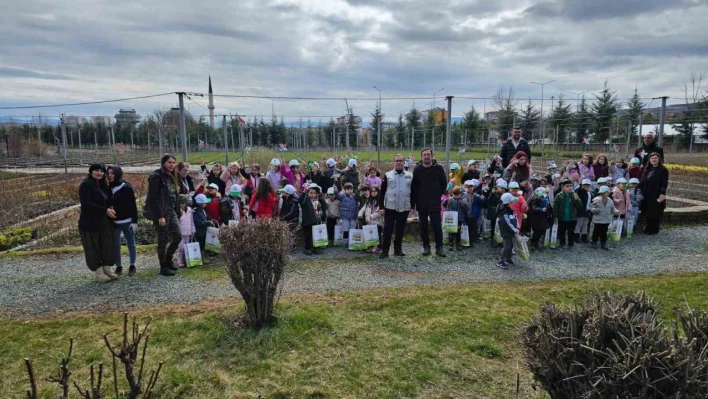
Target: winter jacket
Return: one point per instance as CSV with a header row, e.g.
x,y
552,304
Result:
x,y
213,209
519,207
618,173
508,151
603,210
158,194
372,181
643,153
290,209
317,178
328,179
468,175
264,207
633,194
310,215
186,184
498,169
251,184
493,202
350,176
476,203
123,198
561,202
655,184
508,225
539,212
623,203
229,179
297,180
333,208
572,174
585,202
349,207
517,173
226,209
201,222
634,173
586,172
427,186
275,178
95,200
186,223
370,212
601,170
214,178
461,206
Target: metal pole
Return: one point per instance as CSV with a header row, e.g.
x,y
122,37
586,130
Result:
x,y
629,135
243,138
347,137
182,127
132,144
233,143
95,138
226,142
449,131
81,157
412,138
113,137
250,136
39,143
641,123
63,139
662,119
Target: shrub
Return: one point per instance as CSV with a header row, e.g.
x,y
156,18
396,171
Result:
x,y
617,347
11,238
256,253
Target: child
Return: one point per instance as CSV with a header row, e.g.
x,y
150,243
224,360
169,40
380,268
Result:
x,y
460,205
333,204
600,182
585,168
618,170
313,213
571,172
538,216
290,209
455,173
603,210
635,197
620,196
520,207
493,202
584,213
213,207
348,211
370,214
508,227
372,180
230,208
634,171
186,229
475,203
565,210
201,222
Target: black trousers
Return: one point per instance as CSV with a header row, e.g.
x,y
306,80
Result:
x,y
600,232
307,230
168,234
331,222
536,236
99,246
566,227
394,221
652,226
436,220
472,222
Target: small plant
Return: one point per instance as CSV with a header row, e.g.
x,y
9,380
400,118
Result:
x,y
256,253
13,237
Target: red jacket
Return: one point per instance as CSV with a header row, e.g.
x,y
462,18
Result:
x,y
266,206
520,207
212,209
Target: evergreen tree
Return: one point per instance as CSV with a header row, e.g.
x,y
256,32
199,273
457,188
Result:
x,y
582,121
376,117
506,110
604,111
635,106
430,139
401,131
561,119
413,121
354,128
530,118
470,125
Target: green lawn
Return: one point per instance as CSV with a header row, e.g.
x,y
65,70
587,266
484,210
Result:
x,y
437,341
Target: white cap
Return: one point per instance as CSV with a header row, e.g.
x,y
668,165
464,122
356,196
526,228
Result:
x,y
315,186
555,176
330,191
621,180
635,161
502,183
455,166
634,180
352,163
540,191
604,189
214,186
275,162
475,182
331,162
508,197
235,188
586,182
467,182
315,165
289,189
294,162
202,199
513,185
471,162
602,180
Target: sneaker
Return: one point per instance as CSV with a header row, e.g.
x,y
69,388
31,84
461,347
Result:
x,y
440,252
119,270
383,255
399,253
426,251
510,262
377,250
502,265
131,271
166,272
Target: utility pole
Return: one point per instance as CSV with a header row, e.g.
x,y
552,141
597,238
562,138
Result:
x,y
412,138
226,142
543,122
113,137
182,127
95,138
641,123
250,136
39,142
347,136
629,135
378,132
81,157
63,139
449,131
662,119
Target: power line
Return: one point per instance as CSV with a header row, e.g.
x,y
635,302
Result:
x,y
88,102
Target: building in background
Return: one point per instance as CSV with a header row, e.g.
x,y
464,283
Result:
x,y
439,115
127,116
211,105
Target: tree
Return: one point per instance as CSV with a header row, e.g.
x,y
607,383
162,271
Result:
x,y
354,127
582,121
636,107
470,124
413,118
429,139
506,109
376,118
530,117
400,130
693,93
561,119
604,111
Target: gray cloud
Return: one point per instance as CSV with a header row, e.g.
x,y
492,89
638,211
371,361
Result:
x,y
7,72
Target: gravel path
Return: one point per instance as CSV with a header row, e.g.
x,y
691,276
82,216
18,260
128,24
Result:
x,y
45,285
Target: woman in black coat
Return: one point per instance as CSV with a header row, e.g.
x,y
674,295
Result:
x,y
654,182
96,223
161,202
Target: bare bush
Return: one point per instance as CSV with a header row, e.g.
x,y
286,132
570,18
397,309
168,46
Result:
x,y
256,253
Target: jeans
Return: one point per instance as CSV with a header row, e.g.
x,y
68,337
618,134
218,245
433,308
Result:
x,y
346,226
506,250
436,220
394,221
600,232
168,234
566,227
129,240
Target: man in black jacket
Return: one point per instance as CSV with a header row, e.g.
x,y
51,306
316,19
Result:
x,y
513,145
428,185
647,148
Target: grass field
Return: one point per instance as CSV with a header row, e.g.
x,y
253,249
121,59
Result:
x,y
436,341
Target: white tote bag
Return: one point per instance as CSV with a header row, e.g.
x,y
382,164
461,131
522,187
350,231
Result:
x,y
497,234
338,235
319,236
554,235
371,236
212,240
630,225
465,236
616,229
449,222
356,240
547,238
193,255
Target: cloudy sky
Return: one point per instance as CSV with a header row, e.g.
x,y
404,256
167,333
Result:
x,y
89,50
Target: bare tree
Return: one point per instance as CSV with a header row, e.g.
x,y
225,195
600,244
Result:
x,y
505,102
693,94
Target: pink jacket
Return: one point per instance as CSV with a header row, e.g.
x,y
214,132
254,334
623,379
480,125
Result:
x,y
297,180
622,201
186,223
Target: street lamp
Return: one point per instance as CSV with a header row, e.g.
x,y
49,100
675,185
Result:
x,y
543,129
577,102
378,130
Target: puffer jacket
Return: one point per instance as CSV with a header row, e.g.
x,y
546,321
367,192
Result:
x,y
507,221
586,172
350,176
201,222
349,207
622,200
603,211
493,202
539,212
186,223
559,204
290,209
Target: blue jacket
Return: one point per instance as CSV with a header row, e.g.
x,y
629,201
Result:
x,y
461,206
478,202
507,221
201,222
349,207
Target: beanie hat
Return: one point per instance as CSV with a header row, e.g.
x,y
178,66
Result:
x,y
97,166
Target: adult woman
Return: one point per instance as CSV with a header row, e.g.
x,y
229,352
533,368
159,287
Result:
x,y
186,183
601,168
519,171
126,221
96,223
214,176
262,204
162,203
654,182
